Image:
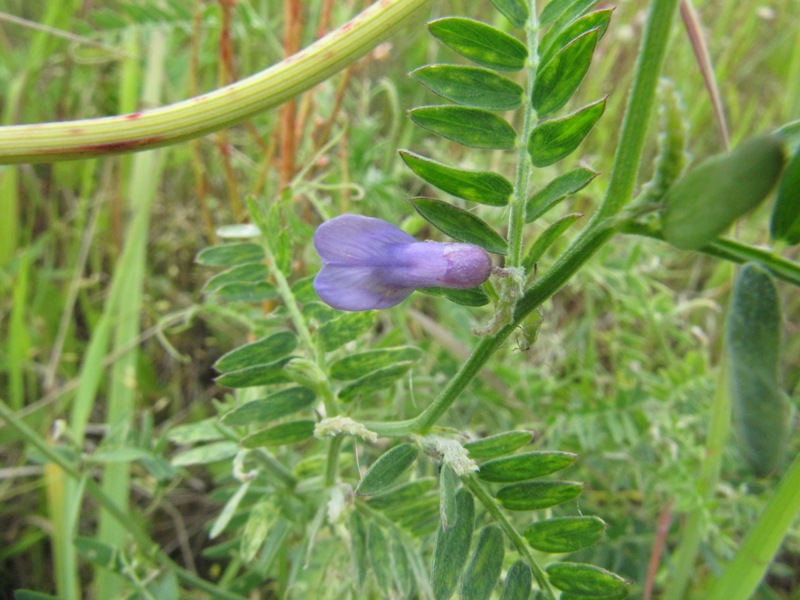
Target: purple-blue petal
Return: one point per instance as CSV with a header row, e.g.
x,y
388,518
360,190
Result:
x,y
357,288
357,240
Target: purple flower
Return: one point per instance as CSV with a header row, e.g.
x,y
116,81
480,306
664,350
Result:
x,y
369,263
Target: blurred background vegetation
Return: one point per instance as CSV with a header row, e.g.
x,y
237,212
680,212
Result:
x,y
625,364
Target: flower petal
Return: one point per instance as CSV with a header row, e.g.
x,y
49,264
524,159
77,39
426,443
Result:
x,y
357,240
357,288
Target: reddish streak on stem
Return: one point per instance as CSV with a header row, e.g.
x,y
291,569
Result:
x,y
112,147
658,549
133,116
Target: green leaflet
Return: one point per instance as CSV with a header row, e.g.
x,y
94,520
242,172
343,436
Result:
x,y
480,43
518,582
229,255
564,534
280,435
473,127
483,571
460,224
403,494
448,484
385,471
585,580
722,188
205,454
477,186
357,365
265,350
521,467
452,548
556,39
516,11
257,375
547,238
558,79
337,332
358,546
534,495
498,445
785,222
471,86
557,190
401,568
280,404
556,139
255,531
471,297
247,273
379,557
247,292
753,343
377,381
560,12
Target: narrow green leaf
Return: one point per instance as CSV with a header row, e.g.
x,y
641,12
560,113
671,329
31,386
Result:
x,y
473,127
480,43
280,435
460,224
339,331
521,467
556,139
99,554
518,582
403,494
564,534
483,571
200,431
760,409
230,255
247,273
414,511
357,365
452,548
374,382
254,533
268,374
207,453
585,580
471,297
379,557
620,595
33,595
548,237
227,512
358,546
401,568
281,404
722,188
247,292
265,350
563,11
516,11
534,495
385,471
477,186
556,39
785,222
554,192
498,445
558,79
471,86
448,486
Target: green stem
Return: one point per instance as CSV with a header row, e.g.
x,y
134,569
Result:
x,y
597,233
332,460
516,219
745,571
519,542
640,106
216,110
733,251
147,546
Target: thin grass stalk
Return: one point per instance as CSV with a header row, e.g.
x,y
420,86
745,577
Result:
x,y
145,176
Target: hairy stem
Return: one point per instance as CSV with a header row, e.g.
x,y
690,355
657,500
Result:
x,y
216,110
